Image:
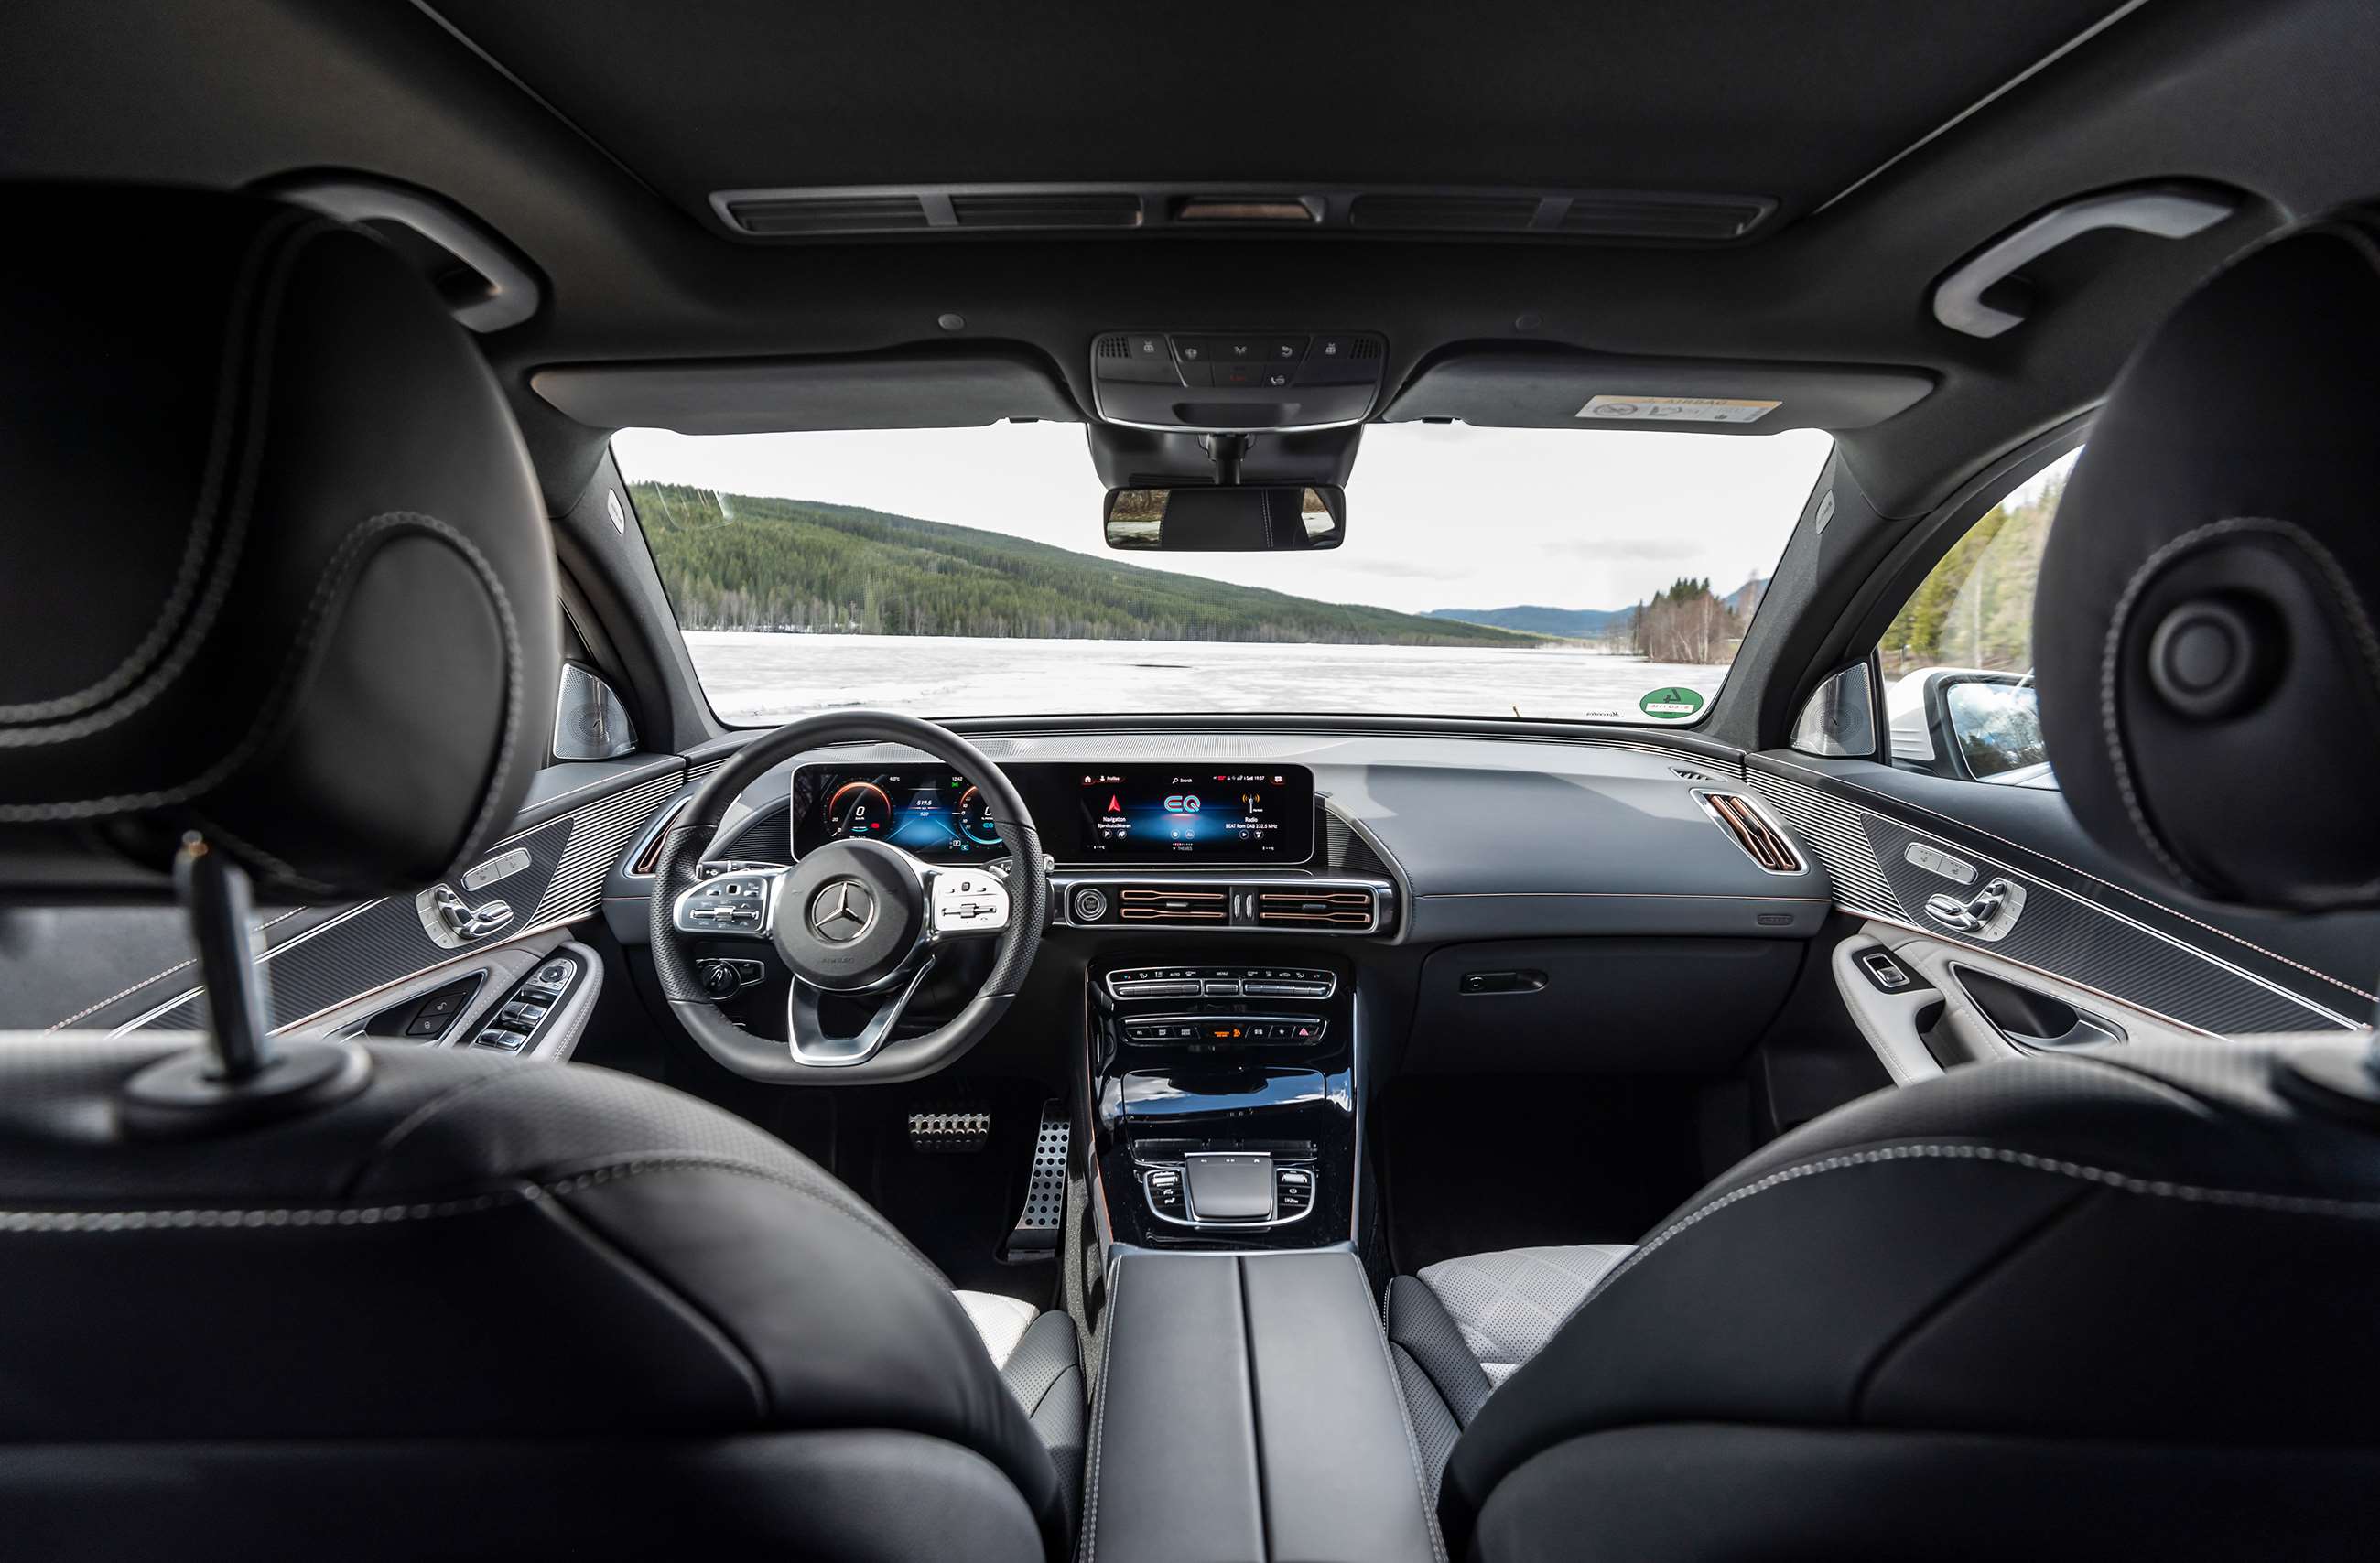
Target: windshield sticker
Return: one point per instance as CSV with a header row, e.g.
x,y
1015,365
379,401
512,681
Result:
x,y
1676,409
1669,705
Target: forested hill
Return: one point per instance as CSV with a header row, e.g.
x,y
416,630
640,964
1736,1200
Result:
x,y
742,561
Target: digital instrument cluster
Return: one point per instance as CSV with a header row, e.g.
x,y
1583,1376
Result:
x,y
929,811
1185,813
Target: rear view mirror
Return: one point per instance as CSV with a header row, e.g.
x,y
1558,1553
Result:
x,y
1213,518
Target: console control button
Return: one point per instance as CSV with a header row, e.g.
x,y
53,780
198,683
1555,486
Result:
x,y
1222,990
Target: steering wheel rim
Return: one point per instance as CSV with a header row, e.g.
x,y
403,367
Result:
x,y
882,1060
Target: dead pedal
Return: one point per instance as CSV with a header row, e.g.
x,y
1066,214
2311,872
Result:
x,y
947,1131
1045,1190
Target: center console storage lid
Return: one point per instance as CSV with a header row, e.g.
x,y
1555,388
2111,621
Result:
x,y
1246,1412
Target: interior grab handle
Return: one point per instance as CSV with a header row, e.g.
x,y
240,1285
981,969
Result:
x,y
2165,211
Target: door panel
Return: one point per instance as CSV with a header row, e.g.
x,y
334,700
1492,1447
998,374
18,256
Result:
x,y
1940,1020
1891,857
133,971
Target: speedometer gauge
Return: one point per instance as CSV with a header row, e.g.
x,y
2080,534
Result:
x,y
857,808
975,819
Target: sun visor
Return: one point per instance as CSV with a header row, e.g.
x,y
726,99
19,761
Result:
x,y
774,395
1507,388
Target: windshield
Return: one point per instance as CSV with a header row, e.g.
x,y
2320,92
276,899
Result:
x,y
1531,573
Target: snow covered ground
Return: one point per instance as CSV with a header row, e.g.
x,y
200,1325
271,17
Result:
x,y
757,678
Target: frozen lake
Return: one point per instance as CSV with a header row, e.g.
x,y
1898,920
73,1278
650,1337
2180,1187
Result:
x,y
754,677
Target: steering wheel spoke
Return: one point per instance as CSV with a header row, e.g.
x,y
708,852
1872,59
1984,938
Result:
x,y
964,903
740,903
806,1028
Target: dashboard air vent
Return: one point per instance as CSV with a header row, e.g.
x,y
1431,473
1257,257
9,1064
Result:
x,y
791,216
1467,214
1048,209
649,859
1681,218
1761,842
1316,909
1186,904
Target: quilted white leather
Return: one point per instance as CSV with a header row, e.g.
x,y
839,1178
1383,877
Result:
x,y
1001,1321
1508,1305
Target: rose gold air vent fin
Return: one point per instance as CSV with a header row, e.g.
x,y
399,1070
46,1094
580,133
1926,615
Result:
x,y
1316,909
1761,842
1184,905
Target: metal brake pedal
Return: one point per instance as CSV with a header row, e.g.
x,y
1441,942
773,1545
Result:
x,y
1045,1190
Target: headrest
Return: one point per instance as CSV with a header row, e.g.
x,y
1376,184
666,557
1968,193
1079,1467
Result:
x,y
274,567
2203,630
1232,519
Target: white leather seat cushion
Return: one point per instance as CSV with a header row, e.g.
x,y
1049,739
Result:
x,y
1001,1321
1508,1305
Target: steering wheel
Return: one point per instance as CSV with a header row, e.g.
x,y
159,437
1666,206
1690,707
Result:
x,y
860,919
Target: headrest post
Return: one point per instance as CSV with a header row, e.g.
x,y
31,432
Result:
x,y
214,894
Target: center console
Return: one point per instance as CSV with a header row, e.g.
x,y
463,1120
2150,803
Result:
x,y
1248,1411
1226,1099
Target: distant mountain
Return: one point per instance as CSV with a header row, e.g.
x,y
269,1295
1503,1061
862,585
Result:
x,y
747,562
1574,623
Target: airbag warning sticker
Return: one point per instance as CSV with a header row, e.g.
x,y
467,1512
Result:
x,y
1676,409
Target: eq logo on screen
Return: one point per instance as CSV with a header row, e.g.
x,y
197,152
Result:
x,y
1181,803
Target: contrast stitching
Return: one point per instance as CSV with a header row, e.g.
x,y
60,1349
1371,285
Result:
x,y
2111,727
1405,1413
1099,1423
335,574
2242,1199
78,1221
178,965
280,243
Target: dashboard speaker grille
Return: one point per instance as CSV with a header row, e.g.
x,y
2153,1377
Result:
x,y
1761,842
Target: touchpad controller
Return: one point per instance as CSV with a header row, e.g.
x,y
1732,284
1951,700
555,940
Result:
x,y
1230,1185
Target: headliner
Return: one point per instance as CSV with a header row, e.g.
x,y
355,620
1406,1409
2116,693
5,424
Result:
x,y
589,133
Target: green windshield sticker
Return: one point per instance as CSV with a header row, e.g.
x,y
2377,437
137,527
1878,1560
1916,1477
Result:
x,y
1669,705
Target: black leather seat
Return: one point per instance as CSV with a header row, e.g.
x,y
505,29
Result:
x,y
2120,1305
280,577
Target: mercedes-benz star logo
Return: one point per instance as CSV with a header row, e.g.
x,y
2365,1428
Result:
x,y
842,912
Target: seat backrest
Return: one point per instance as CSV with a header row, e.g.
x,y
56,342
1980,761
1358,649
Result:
x,y
2074,1306
292,588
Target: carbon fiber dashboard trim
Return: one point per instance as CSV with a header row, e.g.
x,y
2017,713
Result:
x,y
1831,828
373,944
2061,930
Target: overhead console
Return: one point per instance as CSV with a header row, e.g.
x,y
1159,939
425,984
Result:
x,y
1542,387
1240,382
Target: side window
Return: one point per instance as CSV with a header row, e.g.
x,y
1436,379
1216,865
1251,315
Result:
x,y
1958,657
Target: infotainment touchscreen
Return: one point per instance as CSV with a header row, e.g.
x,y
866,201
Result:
x,y
1149,813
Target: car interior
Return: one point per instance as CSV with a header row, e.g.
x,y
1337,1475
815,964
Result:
x,y
730,828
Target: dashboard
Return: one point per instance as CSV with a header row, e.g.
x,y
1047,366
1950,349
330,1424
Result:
x,y
1184,812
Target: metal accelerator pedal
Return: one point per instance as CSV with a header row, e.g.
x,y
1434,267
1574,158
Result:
x,y
1037,1228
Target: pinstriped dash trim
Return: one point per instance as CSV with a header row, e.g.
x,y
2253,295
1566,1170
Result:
x,y
2240,1199
217,1218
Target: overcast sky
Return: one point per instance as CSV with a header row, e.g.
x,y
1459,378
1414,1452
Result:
x,y
1439,516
